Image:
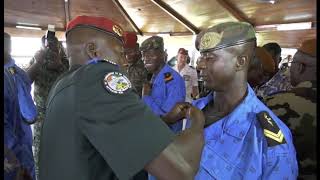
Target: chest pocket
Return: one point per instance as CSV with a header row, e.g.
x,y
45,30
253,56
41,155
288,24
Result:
x,y
214,166
186,77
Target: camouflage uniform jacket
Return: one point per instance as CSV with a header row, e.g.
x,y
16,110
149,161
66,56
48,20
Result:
x,y
297,108
138,75
42,85
279,82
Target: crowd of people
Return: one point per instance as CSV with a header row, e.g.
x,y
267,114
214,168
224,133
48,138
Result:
x,y
111,108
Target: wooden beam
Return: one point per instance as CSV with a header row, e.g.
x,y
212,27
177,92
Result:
x,y
176,16
233,11
127,17
66,12
169,33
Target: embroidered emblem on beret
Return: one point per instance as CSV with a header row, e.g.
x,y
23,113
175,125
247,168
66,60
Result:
x,y
116,82
210,40
117,30
271,130
168,77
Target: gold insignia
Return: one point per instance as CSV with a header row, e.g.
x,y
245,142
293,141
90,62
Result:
x,y
268,118
210,40
277,137
117,30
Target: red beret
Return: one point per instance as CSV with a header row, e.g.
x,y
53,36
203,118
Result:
x,y
183,51
130,40
309,47
100,23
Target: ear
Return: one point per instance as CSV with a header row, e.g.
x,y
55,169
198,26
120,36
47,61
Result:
x,y
91,50
241,62
301,68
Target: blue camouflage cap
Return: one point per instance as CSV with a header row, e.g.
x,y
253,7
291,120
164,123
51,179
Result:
x,y
225,35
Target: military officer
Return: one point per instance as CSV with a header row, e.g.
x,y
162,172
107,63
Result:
x,y
96,126
45,67
26,112
188,73
297,107
243,138
167,86
136,71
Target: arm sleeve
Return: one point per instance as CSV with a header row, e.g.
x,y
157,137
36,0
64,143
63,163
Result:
x,y
120,127
175,92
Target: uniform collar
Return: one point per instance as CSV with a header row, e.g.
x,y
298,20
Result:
x,y
238,122
11,63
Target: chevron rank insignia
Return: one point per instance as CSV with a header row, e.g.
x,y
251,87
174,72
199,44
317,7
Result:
x,y
271,130
168,77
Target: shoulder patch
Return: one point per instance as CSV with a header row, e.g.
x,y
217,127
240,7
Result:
x,y
116,83
12,70
168,77
271,130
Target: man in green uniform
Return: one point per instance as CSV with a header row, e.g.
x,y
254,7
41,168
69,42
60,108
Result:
x,y
136,71
45,67
97,128
297,108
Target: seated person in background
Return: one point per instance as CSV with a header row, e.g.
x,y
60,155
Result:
x,y
188,73
166,87
297,107
281,80
261,68
136,71
243,138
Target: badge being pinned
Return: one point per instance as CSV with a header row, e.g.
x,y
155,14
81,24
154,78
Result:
x,y
116,82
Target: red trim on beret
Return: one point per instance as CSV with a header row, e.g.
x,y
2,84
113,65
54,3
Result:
x,y
101,23
130,39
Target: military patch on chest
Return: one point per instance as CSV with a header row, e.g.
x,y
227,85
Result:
x,y
271,130
168,77
12,70
116,82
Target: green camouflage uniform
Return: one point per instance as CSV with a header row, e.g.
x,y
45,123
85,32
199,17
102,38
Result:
x,y
42,86
138,75
297,108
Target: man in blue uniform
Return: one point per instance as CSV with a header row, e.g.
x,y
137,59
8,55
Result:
x,y
166,87
243,138
27,110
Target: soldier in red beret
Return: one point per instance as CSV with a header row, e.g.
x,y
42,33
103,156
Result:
x,y
97,128
136,71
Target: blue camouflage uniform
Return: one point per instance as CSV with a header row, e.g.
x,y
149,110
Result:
x,y
25,112
168,88
238,145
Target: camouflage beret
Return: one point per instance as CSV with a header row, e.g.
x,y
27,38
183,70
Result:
x,y
154,42
225,35
308,47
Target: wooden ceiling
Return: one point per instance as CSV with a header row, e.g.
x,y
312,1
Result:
x,y
174,17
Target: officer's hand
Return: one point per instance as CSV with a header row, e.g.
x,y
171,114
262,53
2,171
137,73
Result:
x,y
146,89
178,112
196,116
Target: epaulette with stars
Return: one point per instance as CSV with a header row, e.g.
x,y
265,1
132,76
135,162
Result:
x,y
271,130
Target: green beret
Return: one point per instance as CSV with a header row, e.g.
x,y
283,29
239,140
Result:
x,y
154,42
225,35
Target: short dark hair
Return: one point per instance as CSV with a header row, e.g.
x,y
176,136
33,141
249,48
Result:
x,y
273,48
